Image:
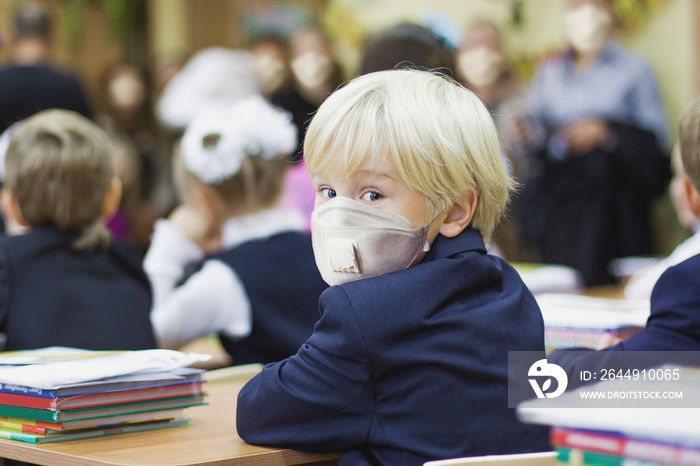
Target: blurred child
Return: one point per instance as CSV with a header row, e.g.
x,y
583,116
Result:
x,y
409,360
642,282
406,43
258,287
65,282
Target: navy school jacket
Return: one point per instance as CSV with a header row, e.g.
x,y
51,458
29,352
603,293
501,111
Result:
x,y
53,295
406,367
283,286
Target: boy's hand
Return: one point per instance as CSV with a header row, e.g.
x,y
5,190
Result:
x,y
200,228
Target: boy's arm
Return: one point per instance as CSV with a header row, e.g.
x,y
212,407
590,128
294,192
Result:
x,y
320,399
6,287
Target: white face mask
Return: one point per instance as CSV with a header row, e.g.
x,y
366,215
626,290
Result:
x,y
480,66
311,69
271,71
587,27
127,92
352,241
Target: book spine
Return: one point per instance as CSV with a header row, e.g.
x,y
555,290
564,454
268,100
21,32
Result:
x,y
586,441
581,457
27,401
11,389
29,413
29,438
22,427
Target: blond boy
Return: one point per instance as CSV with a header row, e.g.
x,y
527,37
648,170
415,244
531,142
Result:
x,y
409,360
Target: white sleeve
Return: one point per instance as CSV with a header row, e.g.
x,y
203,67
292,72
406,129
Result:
x,y
212,300
643,281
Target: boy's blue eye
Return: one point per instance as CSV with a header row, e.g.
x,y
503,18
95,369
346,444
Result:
x,y
372,196
328,192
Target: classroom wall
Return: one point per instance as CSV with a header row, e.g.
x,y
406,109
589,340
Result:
x,y
668,42
166,17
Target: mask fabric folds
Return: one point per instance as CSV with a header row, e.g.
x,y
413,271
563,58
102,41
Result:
x,y
353,241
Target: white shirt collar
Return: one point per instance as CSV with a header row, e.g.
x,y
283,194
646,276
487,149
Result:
x,y
260,225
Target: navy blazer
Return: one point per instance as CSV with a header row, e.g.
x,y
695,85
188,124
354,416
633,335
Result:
x,y
283,286
406,367
673,325
53,295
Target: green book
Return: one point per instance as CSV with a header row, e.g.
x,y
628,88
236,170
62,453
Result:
x,y
589,458
60,415
94,432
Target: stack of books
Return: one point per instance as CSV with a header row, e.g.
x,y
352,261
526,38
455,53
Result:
x,y
575,321
591,447
59,394
610,432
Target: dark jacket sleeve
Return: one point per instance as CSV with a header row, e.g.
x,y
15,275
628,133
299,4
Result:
x,y
5,287
320,399
673,326
640,164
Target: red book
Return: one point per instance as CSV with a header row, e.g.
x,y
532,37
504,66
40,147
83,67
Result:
x,y
102,399
627,447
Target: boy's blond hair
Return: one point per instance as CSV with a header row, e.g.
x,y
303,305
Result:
x,y
438,135
58,167
689,141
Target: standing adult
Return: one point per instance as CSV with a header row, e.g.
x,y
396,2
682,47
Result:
x,y
29,83
601,157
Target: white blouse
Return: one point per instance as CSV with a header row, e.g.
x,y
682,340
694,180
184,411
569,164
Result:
x,y
213,299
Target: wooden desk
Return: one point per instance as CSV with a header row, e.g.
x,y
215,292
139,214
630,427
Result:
x,y
606,291
209,344
211,440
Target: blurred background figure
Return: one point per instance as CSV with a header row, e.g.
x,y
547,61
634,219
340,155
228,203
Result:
x,y
482,66
213,79
271,62
316,74
256,262
142,161
409,44
601,155
29,83
642,281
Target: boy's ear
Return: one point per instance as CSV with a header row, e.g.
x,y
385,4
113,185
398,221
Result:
x,y
459,216
113,198
10,208
691,196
